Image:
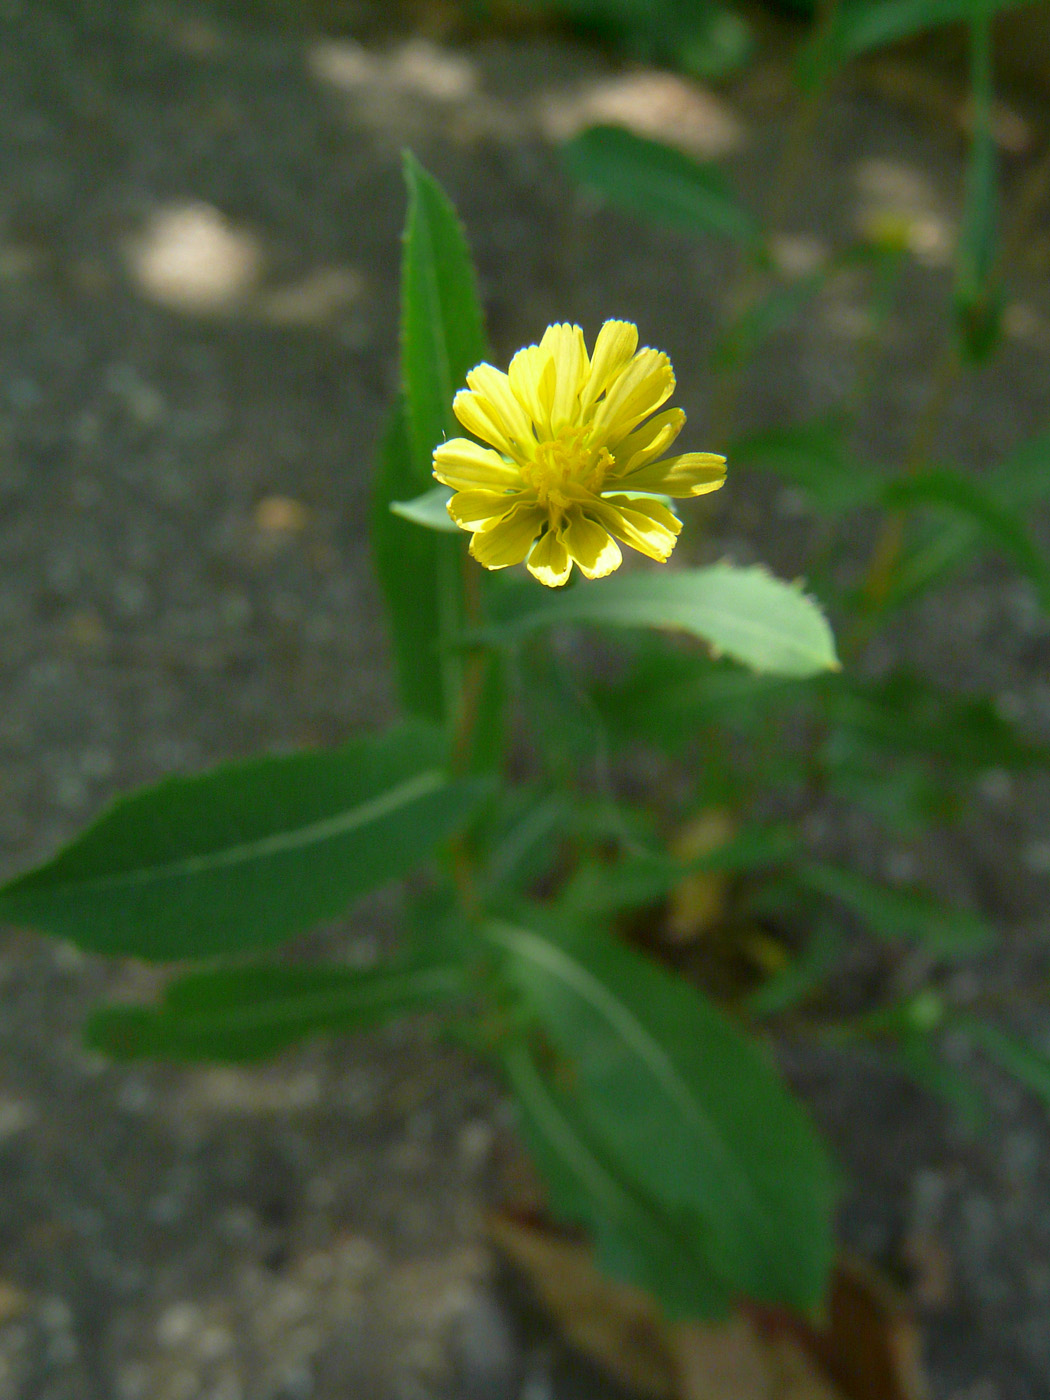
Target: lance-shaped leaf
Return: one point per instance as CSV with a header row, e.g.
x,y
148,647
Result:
x,y
412,566
245,856
686,1109
978,298
637,1241
659,182
252,1012
861,25
442,335
1018,482
1002,526
745,614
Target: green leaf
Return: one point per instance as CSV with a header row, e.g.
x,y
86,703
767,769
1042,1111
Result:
x,y
410,566
661,183
442,334
429,510
813,457
686,1109
247,855
998,523
252,1012
895,913
1018,482
1027,1064
744,613
860,25
636,1241
978,301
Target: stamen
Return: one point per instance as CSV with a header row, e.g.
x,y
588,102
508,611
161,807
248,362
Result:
x,y
566,461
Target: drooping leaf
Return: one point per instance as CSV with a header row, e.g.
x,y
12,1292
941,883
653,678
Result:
x,y
681,1104
252,1012
744,613
637,1240
896,913
442,334
428,510
661,183
249,854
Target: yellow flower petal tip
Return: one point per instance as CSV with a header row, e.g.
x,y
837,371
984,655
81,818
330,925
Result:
x,y
573,456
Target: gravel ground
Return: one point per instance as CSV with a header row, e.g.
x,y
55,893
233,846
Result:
x,y
199,227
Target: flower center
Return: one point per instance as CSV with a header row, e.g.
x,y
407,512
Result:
x,y
565,462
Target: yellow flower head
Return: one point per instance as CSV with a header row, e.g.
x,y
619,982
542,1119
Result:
x,y
570,448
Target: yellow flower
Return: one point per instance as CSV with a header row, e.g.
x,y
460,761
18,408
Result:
x,y
569,448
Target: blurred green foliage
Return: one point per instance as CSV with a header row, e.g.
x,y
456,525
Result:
x,y
619,961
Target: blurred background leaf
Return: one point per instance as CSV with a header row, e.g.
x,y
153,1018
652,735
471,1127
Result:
x,y
660,183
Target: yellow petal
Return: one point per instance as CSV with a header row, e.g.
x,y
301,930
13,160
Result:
x,y
614,348
648,442
477,416
472,509
646,526
691,474
640,389
532,376
591,546
507,541
568,349
492,387
462,464
549,561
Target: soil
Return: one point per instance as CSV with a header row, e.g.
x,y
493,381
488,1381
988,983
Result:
x,y
199,242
